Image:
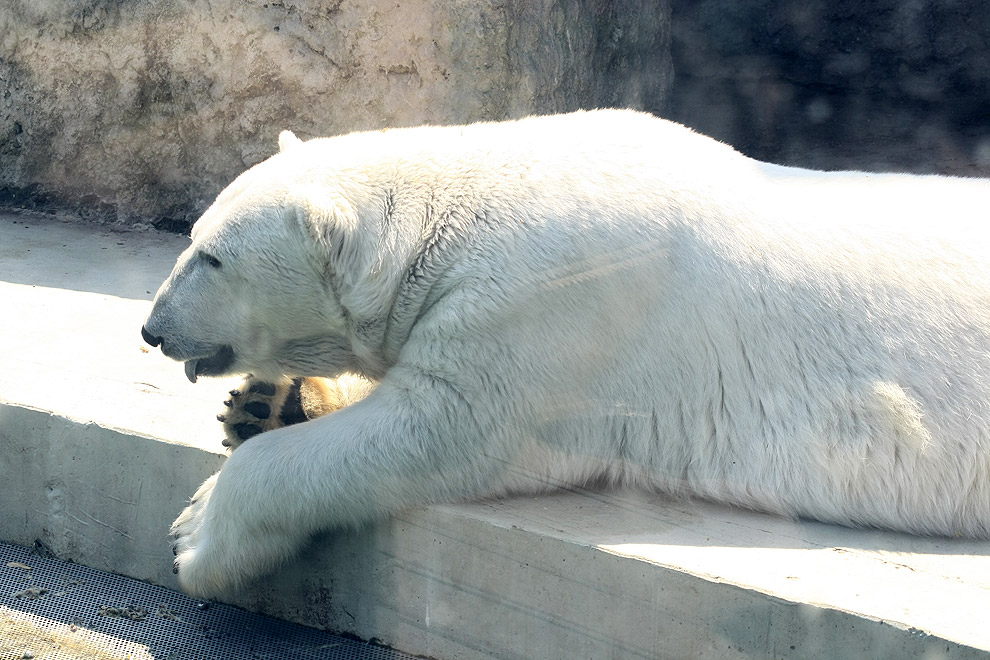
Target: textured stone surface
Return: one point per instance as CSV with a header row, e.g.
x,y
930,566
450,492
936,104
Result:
x,y
867,84
142,111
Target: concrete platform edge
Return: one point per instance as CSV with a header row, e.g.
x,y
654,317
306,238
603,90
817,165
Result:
x,y
444,582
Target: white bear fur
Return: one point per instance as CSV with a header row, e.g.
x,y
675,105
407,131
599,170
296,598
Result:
x,y
599,297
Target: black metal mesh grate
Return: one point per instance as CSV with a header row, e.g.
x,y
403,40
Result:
x,y
67,611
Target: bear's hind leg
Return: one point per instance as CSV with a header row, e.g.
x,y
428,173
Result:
x,y
258,406
255,407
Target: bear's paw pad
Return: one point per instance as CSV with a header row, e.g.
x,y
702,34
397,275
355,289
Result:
x,y
258,406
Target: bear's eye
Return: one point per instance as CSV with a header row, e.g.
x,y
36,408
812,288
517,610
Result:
x,y
211,260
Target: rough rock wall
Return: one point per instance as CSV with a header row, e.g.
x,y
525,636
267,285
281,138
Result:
x,y
142,110
867,84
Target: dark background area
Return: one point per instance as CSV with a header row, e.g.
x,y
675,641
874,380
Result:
x,y
901,85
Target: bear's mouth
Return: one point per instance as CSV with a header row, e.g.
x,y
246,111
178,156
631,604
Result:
x,y
213,365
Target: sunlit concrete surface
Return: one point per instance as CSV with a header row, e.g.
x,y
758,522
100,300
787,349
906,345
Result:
x,y
102,441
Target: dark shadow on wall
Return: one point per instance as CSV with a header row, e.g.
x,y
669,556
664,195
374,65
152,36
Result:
x,y
838,84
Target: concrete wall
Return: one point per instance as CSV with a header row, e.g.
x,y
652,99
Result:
x,y
140,111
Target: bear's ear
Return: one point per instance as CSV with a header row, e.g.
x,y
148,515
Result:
x,y
287,140
330,222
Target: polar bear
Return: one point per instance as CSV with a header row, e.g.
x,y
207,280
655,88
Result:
x,y
600,297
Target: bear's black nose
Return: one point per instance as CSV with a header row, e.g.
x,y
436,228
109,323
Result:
x,y
150,338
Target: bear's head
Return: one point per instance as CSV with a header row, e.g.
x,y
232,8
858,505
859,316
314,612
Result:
x,y
259,288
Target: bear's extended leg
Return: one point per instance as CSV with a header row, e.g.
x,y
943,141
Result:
x,y
414,441
258,406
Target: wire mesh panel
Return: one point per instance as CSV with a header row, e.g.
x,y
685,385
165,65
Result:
x,y
53,610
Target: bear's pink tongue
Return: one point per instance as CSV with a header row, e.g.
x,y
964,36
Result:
x,y
191,370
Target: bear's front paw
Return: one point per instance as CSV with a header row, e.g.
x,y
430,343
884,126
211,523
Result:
x,y
189,532
205,569
231,532
258,406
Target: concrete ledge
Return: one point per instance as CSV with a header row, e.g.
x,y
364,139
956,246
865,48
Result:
x,y
103,442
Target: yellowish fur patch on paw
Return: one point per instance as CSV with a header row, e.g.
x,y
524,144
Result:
x,y
321,396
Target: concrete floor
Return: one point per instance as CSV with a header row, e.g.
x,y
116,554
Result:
x,y
102,442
